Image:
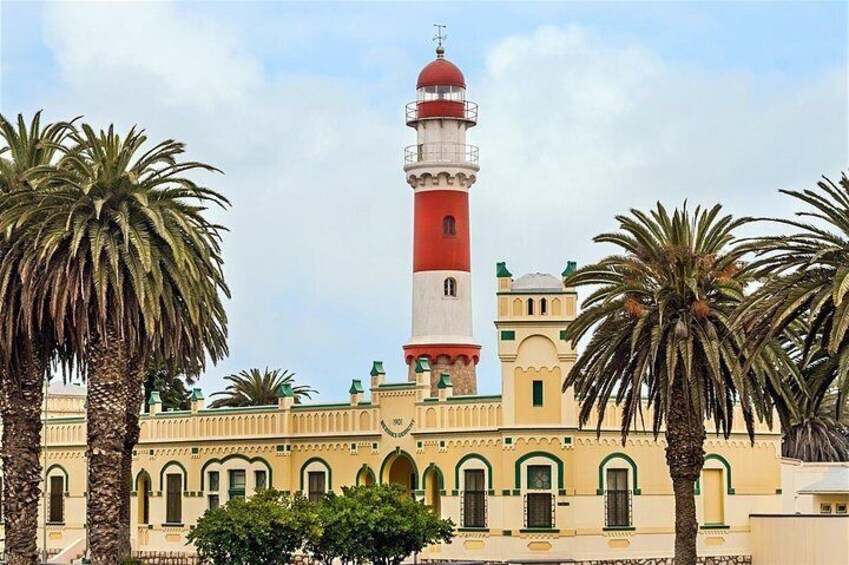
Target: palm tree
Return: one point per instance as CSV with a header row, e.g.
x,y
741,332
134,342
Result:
x,y
127,268
25,355
662,346
806,275
257,387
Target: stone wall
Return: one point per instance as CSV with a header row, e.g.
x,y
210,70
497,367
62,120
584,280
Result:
x,y
463,375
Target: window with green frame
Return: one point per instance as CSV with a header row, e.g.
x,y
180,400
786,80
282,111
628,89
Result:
x,y
237,483
539,477
260,479
214,481
537,393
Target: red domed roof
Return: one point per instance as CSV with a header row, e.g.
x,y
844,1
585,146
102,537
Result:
x,y
441,72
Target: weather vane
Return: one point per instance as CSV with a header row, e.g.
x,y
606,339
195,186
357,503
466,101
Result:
x,y
440,36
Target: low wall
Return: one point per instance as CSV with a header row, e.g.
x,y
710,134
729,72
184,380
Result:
x,y
721,560
166,558
812,539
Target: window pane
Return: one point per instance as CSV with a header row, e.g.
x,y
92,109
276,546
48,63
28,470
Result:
x,y
145,498
537,393
57,499
474,480
617,499
237,484
174,499
214,481
539,508
317,487
214,501
539,477
474,498
261,479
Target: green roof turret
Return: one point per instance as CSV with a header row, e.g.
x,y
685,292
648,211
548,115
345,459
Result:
x,y
444,381
501,270
285,391
377,369
422,365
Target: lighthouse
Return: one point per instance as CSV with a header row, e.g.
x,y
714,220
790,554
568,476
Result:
x,y
441,168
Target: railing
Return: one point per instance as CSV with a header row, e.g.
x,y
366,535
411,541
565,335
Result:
x,y
468,113
473,508
617,508
441,153
539,510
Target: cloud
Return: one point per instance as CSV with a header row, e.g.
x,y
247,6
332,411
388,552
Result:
x,y
575,127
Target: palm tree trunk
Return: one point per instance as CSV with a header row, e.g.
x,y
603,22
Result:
x,y
685,456
107,399
23,395
135,397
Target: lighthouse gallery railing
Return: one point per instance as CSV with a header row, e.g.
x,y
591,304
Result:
x,y
441,153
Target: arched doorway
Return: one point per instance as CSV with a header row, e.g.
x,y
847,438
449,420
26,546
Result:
x,y
143,488
400,469
433,485
365,477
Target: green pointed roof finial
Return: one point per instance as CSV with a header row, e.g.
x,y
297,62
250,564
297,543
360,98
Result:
x,y
377,369
501,270
422,365
197,394
356,387
154,398
444,381
571,267
285,391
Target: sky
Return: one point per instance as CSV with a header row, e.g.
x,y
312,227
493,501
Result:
x,y
586,110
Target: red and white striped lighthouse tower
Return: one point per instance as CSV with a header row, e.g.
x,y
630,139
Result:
x,y
442,168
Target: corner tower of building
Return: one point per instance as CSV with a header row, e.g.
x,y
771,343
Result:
x,y
442,168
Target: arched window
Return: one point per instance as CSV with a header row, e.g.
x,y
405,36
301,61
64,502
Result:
x,y
449,287
449,226
543,306
530,307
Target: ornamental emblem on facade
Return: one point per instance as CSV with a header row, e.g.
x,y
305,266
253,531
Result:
x,y
397,423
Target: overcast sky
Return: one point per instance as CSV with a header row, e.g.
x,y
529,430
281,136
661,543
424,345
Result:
x,y
586,109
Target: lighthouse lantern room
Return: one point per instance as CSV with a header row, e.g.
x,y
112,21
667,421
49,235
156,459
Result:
x,y
441,167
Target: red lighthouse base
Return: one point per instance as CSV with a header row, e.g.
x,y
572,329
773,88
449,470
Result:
x,y
457,360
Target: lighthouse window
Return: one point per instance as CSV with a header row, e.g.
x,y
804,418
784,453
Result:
x,y
449,287
531,307
543,306
449,226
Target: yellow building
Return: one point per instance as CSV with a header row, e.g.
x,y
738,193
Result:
x,y
513,471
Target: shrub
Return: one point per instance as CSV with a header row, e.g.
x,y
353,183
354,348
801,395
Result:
x,y
378,524
266,529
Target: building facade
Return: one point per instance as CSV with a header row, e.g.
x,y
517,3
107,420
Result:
x,y
513,470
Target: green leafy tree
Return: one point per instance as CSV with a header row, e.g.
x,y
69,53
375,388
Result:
x,y
379,524
662,346
172,388
806,280
123,263
26,150
266,529
258,387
